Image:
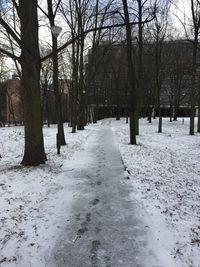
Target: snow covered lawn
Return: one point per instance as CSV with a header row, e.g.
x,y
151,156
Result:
x,y
165,175
34,202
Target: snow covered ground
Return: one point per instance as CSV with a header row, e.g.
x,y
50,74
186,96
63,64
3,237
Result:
x,y
165,182
165,174
33,201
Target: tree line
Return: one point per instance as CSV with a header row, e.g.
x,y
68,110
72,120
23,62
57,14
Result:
x,y
86,23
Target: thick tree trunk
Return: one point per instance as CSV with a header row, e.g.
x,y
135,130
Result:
x,y
30,64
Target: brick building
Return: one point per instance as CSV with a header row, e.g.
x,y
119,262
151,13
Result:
x,y
11,102
11,111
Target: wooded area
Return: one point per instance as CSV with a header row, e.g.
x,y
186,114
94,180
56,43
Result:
x,y
96,59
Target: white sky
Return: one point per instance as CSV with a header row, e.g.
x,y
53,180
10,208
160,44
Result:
x,y
178,10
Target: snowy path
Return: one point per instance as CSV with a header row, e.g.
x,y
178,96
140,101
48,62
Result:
x,y
107,227
80,210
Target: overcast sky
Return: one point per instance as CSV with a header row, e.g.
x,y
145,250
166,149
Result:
x,y
178,10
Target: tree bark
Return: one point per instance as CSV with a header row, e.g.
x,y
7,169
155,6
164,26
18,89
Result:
x,y
140,61
193,91
196,24
150,114
30,64
82,91
198,123
58,103
131,76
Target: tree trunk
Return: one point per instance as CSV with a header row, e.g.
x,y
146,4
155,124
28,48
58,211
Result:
x,y
96,113
131,76
160,121
175,113
150,114
30,64
140,62
47,111
81,116
158,85
176,107
75,54
192,101
118,99
198,123
58,103
171,108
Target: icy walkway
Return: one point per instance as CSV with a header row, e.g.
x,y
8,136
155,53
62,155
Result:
x,y
107,227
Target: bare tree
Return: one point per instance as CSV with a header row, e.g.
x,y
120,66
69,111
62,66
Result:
x,y
131,75
45,81
51,16
30,63
132,63
191,27
195,9
158,32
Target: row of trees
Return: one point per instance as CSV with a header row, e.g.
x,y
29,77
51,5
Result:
x,y
161,59
85,23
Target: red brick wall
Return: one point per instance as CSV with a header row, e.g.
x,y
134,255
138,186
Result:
x,y
14,102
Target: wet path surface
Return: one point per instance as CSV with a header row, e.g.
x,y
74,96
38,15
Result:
x,y
105,229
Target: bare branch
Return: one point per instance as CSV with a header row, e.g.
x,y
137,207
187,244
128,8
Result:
x,y
57,6
42,10
92,30
7,53
16,6
10,31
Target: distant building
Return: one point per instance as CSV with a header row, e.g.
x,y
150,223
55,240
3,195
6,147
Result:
x,y
11,102
11,110
107,78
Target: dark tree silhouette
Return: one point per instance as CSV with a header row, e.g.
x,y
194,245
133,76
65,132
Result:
x,y
30,66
